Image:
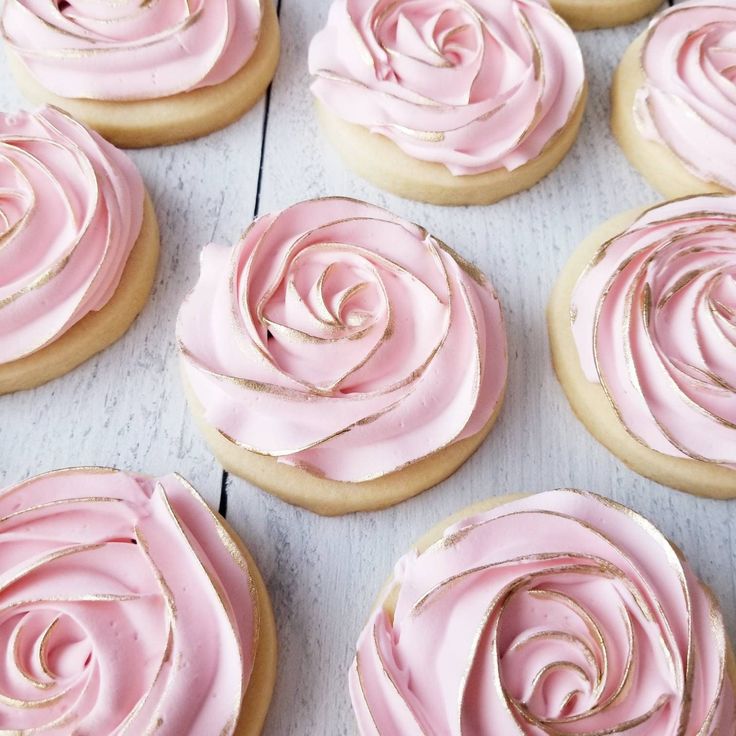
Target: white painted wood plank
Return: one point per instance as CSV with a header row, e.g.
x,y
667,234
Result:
x,y
125,407
324,573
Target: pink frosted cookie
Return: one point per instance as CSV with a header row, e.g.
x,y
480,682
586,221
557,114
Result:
x,y
144,73
674,99
340,357
449,101
561,613
78,246
643,331
129,607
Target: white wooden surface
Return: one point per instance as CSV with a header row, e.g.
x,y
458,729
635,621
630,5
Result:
x,y
125,408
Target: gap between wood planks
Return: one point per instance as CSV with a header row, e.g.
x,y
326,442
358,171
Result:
x,y
222,507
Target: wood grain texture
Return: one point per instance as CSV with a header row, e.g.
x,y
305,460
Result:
x,y
126,408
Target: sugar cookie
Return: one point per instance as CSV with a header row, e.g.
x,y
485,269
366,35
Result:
x,y
673,99
340,357
643,332
133,607
140,73
537,615
584,15
78,248
461,102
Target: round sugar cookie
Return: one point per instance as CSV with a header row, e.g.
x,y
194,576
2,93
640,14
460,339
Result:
x,y
522,611
672,113
585,15
340,357
75,271
134,607
104,83
656,392
456,110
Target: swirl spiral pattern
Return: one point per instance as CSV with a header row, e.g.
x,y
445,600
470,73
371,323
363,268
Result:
x,y
654,321
341,339
561,613
475,85
689,99
71,209
126,608
131,50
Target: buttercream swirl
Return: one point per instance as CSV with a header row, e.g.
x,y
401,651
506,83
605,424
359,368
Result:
x,y
561,613
126,608
688,101
475,85
71,209
131,50
339,338
654,321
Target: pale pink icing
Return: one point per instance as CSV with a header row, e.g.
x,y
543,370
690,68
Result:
x,y
126,608
131,49
337,337
475,85
689,99
654,321
561,613
71,207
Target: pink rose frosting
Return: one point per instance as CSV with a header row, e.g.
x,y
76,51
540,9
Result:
x,y
71,208
689,99
475,85
341,339
131,50
127,608
561,613
654,321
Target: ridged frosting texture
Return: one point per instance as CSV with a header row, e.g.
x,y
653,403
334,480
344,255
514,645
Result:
x,y
341,339
131,50
688,101
71,208
561,613
654,321
475,85
126,608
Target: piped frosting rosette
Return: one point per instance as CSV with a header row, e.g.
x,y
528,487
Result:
x,y
654,321
71,208
688,101
125,608
341,339
475,85
560,613
131,50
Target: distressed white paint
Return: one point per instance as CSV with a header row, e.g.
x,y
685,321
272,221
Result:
x,y
125,407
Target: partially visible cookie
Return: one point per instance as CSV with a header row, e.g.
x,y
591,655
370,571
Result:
x,y
145,74
584,15
453,103
673,100
129,606
78,246
558,613
642,326
340,357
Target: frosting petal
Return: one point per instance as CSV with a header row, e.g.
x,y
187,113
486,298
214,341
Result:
x,y
337,337
71,208
654,321
561,613
475,85
125,608
688,101
131,50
